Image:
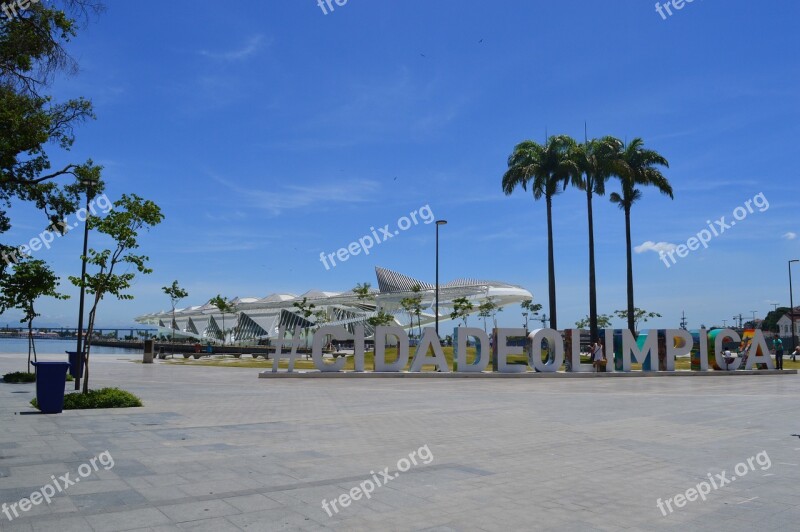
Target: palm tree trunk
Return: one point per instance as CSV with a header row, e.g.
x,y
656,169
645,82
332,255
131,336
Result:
x,y
631,324
551,265
592,280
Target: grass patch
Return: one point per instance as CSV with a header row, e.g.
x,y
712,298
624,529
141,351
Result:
x,y
19,377
103,398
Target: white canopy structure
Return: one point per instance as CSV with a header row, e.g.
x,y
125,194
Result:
x,y
260,318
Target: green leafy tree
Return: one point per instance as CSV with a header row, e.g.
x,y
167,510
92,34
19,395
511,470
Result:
x,y
489,309
30,280
637,166
412,305
639,315
381,319
175,294
594,163
461,309
603,322
225,307
35,127
131,215
546,169
362,291
306,310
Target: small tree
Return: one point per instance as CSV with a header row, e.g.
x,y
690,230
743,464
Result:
x,y
638,315
175,293
131,215
320,319
31,280
305,309
461,309
603,322
381,319
225,307
362,291
412,305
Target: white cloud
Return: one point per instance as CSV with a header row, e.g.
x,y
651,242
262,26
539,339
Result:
x,y
251,46
789,236
657,247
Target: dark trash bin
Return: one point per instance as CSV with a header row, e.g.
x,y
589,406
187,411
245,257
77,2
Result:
x,y
75,364
50,378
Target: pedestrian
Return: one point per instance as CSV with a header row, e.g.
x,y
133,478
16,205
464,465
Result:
x,y
599,359
795,353
777,344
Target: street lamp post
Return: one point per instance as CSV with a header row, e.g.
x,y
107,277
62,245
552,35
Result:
x,y
791,301
438,223
89,196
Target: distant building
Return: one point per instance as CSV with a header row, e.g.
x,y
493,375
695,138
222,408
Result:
x,y
785,323
260,318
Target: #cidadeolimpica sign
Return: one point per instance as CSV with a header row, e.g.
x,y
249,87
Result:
x,y
622,348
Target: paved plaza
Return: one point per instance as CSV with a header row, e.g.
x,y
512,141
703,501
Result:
x,y
219,449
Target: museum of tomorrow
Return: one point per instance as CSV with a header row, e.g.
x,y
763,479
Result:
x,y
257,319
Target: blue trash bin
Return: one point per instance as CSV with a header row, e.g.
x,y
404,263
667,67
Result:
x,y
50,379
75,364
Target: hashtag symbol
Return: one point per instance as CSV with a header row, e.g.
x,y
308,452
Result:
x,y
291,355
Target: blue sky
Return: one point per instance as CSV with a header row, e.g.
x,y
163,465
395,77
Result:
x,y
270,132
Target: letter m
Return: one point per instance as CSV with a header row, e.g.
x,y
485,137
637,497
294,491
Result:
x,y
649,350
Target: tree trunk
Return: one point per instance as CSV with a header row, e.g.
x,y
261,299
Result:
x,y
30,343
631,323
551,266
592,281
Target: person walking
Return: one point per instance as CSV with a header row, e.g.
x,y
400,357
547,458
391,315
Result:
x,y
777,344
599,360
795,353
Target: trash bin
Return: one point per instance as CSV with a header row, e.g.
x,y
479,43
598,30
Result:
x,y
50,378
148,352
75,364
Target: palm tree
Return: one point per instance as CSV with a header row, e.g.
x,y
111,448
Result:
x,y
594,164
637,166
548,168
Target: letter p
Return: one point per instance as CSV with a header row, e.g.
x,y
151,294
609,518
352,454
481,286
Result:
x,y
704,237
363,241
368,492
47,492
703,492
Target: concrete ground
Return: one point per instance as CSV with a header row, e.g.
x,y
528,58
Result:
x,y
219,449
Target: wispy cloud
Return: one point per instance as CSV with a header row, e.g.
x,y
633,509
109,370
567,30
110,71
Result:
x,y
290,197
657,247
789,236
252,45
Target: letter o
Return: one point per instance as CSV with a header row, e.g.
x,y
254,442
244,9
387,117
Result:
x,y
401,468
736,211
407,223
741,473
88,470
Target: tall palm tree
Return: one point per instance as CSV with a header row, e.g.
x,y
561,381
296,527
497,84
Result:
x,y
637,166
548,169
594,163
